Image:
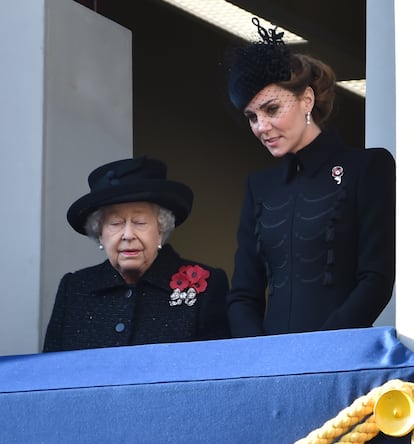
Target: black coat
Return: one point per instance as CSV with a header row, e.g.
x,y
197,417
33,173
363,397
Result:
x,y
94,307
324,248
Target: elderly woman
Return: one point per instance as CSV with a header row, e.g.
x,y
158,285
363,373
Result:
x,y
144,292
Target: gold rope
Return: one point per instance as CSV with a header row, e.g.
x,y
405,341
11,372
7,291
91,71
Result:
x,y
358,414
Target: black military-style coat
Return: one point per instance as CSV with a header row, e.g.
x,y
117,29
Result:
x,y
94,307
316,242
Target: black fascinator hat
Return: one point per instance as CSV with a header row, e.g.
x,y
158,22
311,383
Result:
x,y
131,180
257,65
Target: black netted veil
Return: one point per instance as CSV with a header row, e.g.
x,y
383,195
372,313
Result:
x,y
257,65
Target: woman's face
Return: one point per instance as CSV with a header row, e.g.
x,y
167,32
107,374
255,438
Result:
x,y
278,119
130,237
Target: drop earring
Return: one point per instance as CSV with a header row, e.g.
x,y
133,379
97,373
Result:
x,y
308,118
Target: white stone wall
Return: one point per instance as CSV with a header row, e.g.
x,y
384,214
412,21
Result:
x,y
380,125
65,108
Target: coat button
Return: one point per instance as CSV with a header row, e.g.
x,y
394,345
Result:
x,y
120,327
128,293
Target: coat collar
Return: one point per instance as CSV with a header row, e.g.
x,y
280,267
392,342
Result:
x,y
311,158
159,274
165,265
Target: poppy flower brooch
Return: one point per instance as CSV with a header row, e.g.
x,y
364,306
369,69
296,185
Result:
x,y
187,284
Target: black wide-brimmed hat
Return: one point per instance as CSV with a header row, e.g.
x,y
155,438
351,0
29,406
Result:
x,y
131,180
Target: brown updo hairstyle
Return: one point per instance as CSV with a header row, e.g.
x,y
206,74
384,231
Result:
x,y
308,71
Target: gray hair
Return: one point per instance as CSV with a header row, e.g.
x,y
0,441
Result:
x,y
165,217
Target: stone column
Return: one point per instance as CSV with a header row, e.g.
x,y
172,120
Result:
x,y
380,94
390,38
404,41
66,107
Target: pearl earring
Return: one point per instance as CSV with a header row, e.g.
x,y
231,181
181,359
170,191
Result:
x,y
159,247
100,246
308,118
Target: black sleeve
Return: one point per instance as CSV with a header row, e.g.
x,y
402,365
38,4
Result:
x,y
246,299
54,333
213,323
376,244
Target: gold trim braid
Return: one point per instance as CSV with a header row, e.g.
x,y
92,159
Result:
x,y
359,417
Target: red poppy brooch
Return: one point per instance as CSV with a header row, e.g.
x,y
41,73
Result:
x,y
187,284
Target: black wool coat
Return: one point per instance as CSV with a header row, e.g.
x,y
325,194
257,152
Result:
x,y
94,307
316,242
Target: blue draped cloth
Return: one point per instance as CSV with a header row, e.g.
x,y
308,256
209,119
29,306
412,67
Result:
x,y
271,389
